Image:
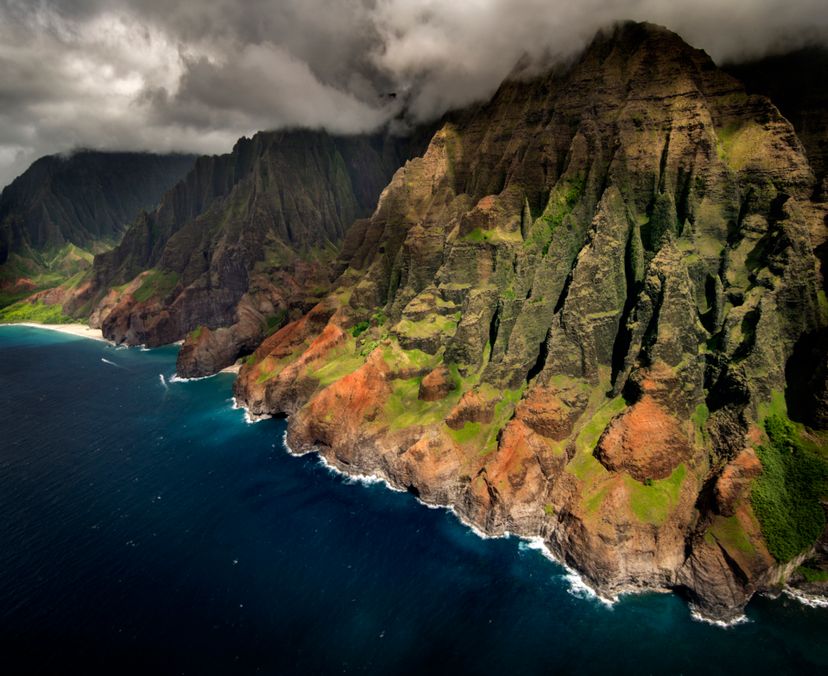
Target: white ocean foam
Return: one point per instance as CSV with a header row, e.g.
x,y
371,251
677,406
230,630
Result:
x,y
249,417
576,584
468,524
364,479
722,624
810,600
373,479
287,446
175,378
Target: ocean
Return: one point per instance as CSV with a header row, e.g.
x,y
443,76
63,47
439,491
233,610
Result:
x,y
147,528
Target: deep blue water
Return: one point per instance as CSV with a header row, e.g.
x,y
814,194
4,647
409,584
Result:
x,y
147,528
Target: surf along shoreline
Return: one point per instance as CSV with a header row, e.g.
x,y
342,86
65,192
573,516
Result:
x,y
578,586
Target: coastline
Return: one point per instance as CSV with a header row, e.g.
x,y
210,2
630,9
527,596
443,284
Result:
x,y
578,585
79,330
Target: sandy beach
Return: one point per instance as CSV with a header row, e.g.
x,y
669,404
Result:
x,y
84,331
80,330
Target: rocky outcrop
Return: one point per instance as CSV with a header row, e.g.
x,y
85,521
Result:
x,y
438,384
612,264
645,441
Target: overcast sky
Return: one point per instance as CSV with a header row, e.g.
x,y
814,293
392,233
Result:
x,y
195,75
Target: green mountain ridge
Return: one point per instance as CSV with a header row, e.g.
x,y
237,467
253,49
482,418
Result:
x,y
239,243
571,318
64,209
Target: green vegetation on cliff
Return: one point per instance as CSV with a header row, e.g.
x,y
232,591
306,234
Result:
x,y
730,533
812,574
38,312
786,497
584,465
23,275
652,501
62,210
156,284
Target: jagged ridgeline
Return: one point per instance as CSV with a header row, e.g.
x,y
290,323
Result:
x,y
240,242
571,317
65,208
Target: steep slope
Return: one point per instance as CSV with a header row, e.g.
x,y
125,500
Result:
x,y
64,208
797,82
242,240
571,318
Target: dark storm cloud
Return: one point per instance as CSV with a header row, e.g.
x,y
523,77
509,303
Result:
x,y
196,74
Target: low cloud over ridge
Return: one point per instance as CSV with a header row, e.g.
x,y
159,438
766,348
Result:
x,y
195,75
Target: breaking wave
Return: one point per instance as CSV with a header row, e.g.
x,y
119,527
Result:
x,y
810,600
175,378
249,418
722,624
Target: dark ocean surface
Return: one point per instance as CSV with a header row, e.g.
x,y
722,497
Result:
x,y
146,528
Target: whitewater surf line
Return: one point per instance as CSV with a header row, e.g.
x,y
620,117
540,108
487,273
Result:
x,y
577,584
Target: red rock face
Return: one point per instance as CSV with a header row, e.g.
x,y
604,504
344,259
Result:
x,y
734,481
551,413
645,441
436,385
471,408
335,416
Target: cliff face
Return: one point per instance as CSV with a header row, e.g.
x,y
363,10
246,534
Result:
x,y
62,205
242,241
571,317
797,82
